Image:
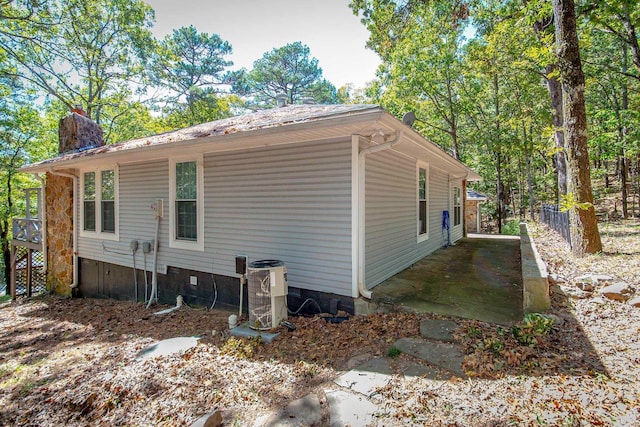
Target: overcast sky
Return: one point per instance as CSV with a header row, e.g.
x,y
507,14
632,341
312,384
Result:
x,y
334,35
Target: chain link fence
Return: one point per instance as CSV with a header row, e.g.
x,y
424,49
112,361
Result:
x,y
557,220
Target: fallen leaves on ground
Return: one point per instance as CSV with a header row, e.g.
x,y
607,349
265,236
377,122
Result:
x,y
73,361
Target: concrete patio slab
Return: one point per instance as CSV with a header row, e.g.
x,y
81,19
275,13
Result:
x,y
477,278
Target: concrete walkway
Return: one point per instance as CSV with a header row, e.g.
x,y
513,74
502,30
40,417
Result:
x,y
352,398
478,278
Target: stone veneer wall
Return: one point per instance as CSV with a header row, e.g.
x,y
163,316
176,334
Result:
x,y
59,205
471,216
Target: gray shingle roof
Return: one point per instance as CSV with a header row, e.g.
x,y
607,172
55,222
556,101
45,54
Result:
x,y
474,195
274,117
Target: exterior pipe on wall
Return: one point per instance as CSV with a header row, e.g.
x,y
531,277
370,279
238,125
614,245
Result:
x,y
43,215
75,223
154,274
362,290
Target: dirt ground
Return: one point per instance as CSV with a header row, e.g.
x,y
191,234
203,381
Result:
x,y
73,361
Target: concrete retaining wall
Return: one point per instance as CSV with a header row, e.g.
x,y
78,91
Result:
x,y
535,281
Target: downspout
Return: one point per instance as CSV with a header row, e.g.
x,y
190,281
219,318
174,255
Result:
x,y
75,223
43,218
364,292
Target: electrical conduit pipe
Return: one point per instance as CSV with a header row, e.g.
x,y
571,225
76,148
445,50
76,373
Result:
x,y
364,292
154,274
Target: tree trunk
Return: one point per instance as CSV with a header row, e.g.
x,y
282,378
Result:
x,y
555,93
624,174
585,237
499,191
541,28
4,234
6,251
529,155
622,130
499,186
631,38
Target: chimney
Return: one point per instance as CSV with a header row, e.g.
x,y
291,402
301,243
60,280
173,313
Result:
x,y
77,132
281,100
78,110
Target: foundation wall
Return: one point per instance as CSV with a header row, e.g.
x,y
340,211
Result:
x,y
104,280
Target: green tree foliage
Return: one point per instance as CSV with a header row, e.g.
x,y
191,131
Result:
x,y
205,108
612,68
19,131
484,81
422,65
80,52
509,116
288,70
188,69
620,19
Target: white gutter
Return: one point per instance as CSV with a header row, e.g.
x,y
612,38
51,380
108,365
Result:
x,y
75,223
43,218
360,221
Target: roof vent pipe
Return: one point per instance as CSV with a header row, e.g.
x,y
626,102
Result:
x,y
281,100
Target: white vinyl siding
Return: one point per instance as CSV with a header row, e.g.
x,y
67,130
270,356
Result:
x,y
291,203
140,185
391,214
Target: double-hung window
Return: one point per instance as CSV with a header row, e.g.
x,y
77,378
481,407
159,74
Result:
x,y
89,201
107,201
99,203
423,201
457,206
186,204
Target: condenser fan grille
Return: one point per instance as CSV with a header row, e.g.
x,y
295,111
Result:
x,y
259,289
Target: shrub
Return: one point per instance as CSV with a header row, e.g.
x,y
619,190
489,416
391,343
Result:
x,y
394,352
534,325
511,228
241,348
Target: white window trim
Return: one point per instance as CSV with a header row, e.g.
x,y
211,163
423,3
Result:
x,y
198,244
425,166
98,234
453,205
